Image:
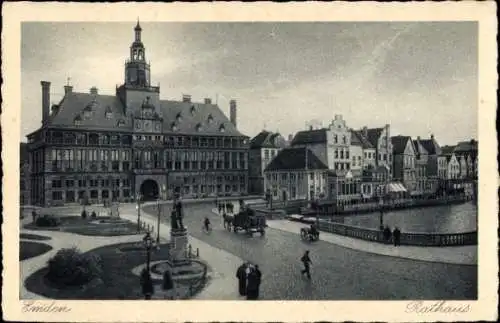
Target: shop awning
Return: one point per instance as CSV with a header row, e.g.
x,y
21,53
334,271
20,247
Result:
x,y
396,188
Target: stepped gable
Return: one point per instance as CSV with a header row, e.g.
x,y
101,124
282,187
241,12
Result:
x,y
295,159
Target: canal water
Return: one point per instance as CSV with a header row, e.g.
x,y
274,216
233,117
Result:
x,y
437,219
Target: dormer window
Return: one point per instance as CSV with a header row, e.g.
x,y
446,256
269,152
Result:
x,y
179,117
121,123
222,128
86,114
78,120
173,126
108,113
210,119
193,109
198,127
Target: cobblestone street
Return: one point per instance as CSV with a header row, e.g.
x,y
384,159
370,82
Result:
x,y
338,273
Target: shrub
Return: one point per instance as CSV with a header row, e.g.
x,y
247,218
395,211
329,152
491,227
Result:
x,y
93,215
47,221
84,214
72,268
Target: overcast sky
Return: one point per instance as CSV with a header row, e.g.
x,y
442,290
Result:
x,y
419,77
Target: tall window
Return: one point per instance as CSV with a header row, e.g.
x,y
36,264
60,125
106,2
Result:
x,y
156,160
242,160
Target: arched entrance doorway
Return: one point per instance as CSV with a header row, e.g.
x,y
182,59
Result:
x,y
149,190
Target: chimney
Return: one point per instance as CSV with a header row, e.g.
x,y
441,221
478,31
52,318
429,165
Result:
x,y
290,137
232,112
418,138
186,98
432,136
311,128
208,101
365,132
45,101
93,90
68,89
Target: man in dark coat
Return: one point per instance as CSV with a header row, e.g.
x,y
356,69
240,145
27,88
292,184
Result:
x,y
241,274
387,234
258,274
397,236
253,284
307,262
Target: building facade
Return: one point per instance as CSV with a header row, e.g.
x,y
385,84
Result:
x,y
404,161
357,155
96,148
331,145
263,149
380,140
24,175
296,174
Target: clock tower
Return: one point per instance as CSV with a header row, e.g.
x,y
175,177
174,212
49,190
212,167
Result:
x,y
137,70
137,87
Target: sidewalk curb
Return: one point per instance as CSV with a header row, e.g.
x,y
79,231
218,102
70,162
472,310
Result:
x,y
425,252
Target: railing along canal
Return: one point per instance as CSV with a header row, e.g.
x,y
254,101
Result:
x,y
407,238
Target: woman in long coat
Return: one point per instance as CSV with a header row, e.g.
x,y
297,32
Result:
x,y
241,274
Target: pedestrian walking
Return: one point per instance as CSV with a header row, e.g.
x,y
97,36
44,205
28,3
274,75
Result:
x,y
241,274
306,260
387,234
396,236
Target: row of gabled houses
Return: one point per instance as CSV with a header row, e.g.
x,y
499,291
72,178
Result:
x,y
346,165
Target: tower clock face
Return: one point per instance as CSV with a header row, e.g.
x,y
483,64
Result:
x,y
137,125
157,126
147,125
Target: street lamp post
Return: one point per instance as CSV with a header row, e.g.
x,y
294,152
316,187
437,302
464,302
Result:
x,y
138,199
162,190
381,204
148,243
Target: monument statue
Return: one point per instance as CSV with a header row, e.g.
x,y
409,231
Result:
x,y
173,220
178,209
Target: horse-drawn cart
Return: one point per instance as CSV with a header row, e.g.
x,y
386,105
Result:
x,y
246,220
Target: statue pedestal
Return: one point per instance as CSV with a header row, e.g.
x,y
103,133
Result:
x,y
179,246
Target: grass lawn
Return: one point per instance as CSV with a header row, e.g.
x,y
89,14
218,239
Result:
x,y
117,281
101,226
29,236
28,249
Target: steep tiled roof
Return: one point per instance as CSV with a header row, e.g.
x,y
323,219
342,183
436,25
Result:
x,y
447,150
467,148
266,139
295,159
364,142
431,146
399,144
355,140
373,135
309,137
208,118
419,148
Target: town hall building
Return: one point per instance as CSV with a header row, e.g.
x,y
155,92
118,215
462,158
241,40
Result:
x,y
97,148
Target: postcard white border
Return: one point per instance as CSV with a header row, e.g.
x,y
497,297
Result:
x,y
269,311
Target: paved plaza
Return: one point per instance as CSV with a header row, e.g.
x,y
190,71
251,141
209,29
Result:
x,y
339,271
